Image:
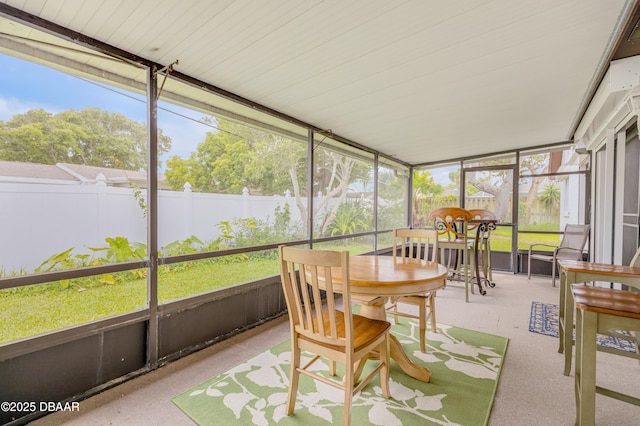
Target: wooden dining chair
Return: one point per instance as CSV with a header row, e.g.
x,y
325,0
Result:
x,y
318,327
421,244
451,224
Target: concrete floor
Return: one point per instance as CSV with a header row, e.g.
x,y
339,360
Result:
x,y
532,389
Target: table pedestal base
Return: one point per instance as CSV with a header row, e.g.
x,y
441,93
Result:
x,y
374,309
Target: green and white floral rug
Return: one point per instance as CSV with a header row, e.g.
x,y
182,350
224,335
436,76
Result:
x,y
465,366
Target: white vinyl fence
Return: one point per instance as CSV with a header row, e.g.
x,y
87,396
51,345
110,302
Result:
x,y
39,220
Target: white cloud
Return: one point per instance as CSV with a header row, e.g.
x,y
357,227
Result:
x,y
185,133
12,106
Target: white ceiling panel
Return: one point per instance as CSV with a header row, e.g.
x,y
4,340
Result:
x,y
420,80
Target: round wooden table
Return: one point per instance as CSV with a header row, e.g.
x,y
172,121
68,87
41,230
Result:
x,y
375,279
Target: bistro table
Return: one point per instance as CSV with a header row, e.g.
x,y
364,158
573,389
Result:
x,y
577,271
375,279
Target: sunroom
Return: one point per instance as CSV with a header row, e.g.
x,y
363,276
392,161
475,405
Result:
x,y
154,157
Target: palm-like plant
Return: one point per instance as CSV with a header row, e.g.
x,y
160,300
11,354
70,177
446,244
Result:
x,y
550,195
350,218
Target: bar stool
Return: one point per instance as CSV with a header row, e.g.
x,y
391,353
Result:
x,y
600,310
451,224
480,234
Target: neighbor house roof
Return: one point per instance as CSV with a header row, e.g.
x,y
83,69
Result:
x,y
70,174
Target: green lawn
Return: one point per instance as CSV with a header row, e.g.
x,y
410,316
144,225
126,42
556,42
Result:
x,y
32,310
501,240
38,309
45,307
41,308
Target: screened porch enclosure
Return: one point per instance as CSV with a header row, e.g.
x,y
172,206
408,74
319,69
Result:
x,y
141,208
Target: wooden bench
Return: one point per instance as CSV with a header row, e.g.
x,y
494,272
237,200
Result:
x,y
600,310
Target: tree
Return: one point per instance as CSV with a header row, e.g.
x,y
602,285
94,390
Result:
x,y
550,195
499,184
424,186
179,171
332,177
279,164
238,156
392,197
534,164
91,136
283,163
220,162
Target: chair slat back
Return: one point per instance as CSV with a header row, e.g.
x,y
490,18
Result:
x,y
450,222
311,281
418,243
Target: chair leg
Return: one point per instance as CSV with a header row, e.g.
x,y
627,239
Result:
x,y
449,262
348,392
423,325
466,285
585,376
553,273
332,367
637,335
432,309
529,265
489,262
486,261
468,267
294,378
472,264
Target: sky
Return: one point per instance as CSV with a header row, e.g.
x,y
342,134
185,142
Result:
x,y
25,85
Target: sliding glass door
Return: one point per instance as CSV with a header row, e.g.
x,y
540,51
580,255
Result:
x,y
491,187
